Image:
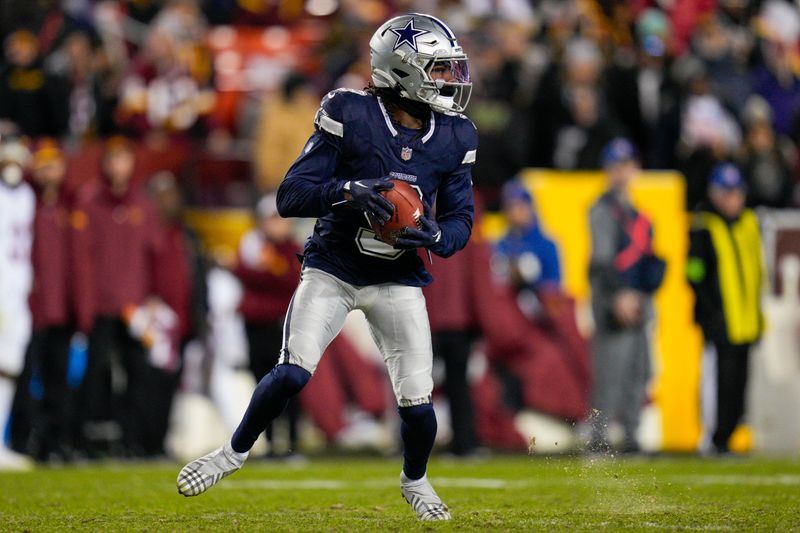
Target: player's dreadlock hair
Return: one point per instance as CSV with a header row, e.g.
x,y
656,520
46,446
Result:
x,y
391,98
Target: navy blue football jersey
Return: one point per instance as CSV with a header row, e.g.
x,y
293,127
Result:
x,y
355,139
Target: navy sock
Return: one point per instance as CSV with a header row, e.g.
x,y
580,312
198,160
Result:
x,y
418,431
268,401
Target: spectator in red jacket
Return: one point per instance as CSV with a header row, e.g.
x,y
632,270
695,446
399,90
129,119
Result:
x,y
116,238
178,254
269,271
179,284
40,425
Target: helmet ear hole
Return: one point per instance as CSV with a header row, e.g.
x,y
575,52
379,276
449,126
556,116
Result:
x,y
400,73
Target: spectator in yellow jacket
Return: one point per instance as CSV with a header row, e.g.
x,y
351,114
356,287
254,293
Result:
x,y
725,270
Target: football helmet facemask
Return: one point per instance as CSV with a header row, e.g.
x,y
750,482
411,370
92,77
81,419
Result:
x,y
418,56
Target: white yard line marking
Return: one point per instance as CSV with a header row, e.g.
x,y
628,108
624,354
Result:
x,y
737,479
478,483
279,484
331,484
500,484
665,527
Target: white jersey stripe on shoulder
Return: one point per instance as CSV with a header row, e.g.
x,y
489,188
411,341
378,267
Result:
x,y
431,130
387,119
469,157
331,126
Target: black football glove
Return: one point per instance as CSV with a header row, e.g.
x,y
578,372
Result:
x,y
427,236
365,195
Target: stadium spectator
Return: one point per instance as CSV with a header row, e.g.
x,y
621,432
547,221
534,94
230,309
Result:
x,y
527,262
282,130
709,133
17,206
269,270
623,274
684,16
588,128
525,257
725,269
116,241
458,308
570,111
180,284
537,362
500,108
532,339
29,96
179,256
644,96
775,77
183,21
41,423
528,355
165,90
714,43
89,87
766,158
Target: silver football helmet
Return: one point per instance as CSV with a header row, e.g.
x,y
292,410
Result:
x,y
419,57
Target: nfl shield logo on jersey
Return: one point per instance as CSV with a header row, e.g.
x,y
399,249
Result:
x,y
405,153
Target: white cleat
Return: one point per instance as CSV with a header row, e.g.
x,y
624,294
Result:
x,y
423,499
202,474
11,461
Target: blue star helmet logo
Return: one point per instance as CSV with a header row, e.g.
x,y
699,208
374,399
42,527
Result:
x,y
407,35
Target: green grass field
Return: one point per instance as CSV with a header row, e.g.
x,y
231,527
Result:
x,y
347,494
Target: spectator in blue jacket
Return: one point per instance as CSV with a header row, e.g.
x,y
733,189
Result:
x,y
525,256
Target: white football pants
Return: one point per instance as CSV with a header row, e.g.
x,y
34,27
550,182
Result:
x,y
398,321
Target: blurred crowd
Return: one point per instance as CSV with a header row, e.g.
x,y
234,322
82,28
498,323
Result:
x,y
692,82
121,112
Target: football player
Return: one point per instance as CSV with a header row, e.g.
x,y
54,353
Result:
x,y
405,126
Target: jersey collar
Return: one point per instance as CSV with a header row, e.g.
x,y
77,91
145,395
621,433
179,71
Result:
x,y
393,130
387,118
431,128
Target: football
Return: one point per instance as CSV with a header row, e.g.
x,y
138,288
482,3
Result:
x,y
407,210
